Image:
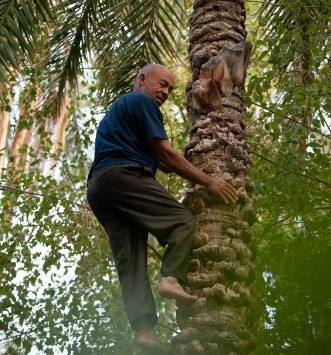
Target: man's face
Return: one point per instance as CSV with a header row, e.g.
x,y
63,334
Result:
x,y
157,84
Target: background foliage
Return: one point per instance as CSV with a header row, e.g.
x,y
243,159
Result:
x,y
58,288
288,95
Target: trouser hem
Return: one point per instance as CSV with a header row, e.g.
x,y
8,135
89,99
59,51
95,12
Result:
x,y
149,318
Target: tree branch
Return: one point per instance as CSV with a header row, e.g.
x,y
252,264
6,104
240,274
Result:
x,y
293,120
5,187
291,171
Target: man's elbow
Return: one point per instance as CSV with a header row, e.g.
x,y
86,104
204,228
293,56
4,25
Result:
x,y
164,168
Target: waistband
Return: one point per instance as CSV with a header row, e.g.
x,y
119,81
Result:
x,y
133,166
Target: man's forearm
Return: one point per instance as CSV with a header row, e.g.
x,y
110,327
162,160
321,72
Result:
x,y
175,161
164,168
182,167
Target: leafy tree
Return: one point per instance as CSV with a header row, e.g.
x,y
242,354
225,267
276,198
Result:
x,y
290,108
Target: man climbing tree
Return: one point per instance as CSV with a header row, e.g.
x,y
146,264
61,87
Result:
x,y
131,144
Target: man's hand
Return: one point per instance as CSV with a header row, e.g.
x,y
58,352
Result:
x,y
226,192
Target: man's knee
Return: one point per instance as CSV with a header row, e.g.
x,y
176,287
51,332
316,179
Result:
x,y
189,219
190,222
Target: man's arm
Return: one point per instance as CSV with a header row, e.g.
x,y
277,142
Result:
x,y
164,168
178,164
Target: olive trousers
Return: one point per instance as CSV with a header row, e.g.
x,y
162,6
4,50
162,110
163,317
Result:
x,y
129,203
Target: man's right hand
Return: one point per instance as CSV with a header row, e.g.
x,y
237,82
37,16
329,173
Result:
x,y
219,186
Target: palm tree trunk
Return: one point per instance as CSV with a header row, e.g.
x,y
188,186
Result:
x,y
221,266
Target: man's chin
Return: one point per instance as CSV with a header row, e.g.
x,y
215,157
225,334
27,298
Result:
x,y
159,102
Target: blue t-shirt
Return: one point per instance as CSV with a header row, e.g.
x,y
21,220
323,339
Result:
x,y
123,134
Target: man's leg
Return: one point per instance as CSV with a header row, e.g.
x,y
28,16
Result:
x,y
130,256
128,242
129,246
137,195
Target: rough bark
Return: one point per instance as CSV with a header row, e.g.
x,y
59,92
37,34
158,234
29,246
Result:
x,y
221,267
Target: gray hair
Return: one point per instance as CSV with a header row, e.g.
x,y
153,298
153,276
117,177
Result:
x,y
147,69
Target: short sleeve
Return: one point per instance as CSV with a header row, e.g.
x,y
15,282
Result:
x,y
150,119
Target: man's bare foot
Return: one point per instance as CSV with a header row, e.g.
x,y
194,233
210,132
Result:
x,y
149,342
170,288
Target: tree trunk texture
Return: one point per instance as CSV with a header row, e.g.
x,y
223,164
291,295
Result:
x,y
221,270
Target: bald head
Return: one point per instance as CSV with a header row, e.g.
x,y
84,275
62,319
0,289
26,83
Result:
x,y
156,81
149,69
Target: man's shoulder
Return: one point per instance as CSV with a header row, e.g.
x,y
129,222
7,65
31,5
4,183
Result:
x,y
136,97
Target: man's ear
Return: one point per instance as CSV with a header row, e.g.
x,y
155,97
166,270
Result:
x,y
142,79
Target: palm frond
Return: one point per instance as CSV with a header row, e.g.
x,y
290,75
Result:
x,y
71,43
116,36
147,31
294,28
19,27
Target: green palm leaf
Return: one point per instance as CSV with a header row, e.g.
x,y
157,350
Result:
x,y
147,31
19,24
71,42
115,37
